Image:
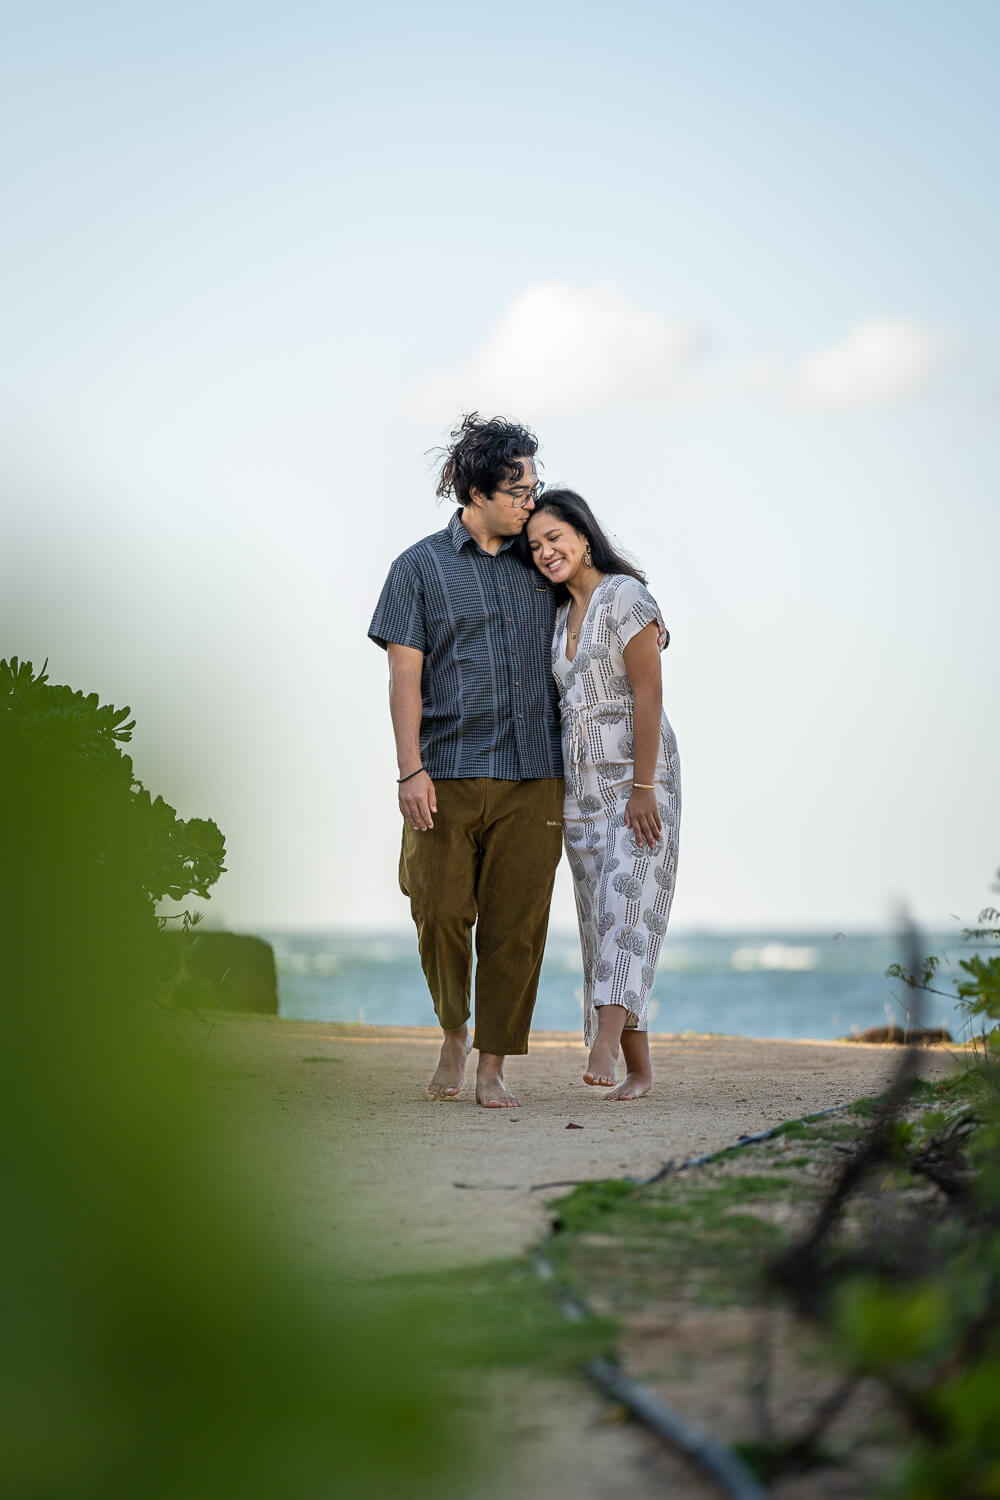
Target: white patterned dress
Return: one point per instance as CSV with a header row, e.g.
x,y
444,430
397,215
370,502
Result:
x,y
623,890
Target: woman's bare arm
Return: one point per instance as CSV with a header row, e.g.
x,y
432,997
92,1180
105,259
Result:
x,y
642,663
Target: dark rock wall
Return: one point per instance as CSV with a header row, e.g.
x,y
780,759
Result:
x,y
230,971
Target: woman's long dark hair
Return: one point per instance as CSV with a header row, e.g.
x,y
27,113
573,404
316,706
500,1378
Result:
x,y
574,510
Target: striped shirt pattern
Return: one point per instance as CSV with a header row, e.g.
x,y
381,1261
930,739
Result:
x,y
484,624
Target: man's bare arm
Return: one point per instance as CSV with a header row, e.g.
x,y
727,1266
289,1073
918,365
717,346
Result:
x,y
417,801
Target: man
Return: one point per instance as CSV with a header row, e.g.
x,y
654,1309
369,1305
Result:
x,y
468,629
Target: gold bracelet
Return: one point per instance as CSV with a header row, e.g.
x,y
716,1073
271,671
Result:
x,y
644,786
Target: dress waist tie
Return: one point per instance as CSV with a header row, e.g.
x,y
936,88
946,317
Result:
x,y
611,710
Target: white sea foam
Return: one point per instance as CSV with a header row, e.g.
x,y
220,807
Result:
x,y
327,963
774,956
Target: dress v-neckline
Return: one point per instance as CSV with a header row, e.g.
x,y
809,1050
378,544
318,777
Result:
x,y
583,621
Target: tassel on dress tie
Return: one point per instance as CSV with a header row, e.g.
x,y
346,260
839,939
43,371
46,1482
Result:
x,y
576,748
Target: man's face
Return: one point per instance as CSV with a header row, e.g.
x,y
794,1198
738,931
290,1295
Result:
x,y
509,507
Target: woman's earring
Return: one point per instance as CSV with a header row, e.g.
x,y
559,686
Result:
x,y
588,560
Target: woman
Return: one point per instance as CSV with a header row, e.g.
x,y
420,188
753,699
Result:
x,y
622,805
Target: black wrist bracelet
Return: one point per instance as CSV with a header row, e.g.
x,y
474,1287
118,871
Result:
x,y
401,779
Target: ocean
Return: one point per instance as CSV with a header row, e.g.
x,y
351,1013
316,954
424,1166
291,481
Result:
x,y
818,985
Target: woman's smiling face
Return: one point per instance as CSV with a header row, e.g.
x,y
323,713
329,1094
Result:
x,y
557,548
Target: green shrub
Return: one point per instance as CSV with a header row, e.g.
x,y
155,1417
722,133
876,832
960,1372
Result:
x,y
58,739
157,1339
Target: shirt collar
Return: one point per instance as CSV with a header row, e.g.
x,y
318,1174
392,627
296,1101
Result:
x,y
457,532
459,536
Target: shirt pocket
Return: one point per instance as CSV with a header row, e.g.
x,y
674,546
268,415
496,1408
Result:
x,y
542,609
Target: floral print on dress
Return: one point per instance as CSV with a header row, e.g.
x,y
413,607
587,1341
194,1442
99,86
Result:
x,y
624,890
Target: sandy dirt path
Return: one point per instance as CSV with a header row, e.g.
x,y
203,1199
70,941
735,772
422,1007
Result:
x,y
354,1157
358,1171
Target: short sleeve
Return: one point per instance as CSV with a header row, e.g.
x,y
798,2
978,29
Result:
x,y
399,613
634,608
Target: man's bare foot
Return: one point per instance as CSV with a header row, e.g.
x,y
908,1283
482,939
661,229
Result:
x,y
491,1092
632,1086
450,1072
601,1065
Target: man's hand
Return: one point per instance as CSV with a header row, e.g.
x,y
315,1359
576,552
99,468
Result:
x,y
417,801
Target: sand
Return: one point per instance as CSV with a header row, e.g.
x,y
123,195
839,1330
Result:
x,y
353,1156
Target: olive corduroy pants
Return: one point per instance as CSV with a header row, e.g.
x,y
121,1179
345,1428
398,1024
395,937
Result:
x,y
489,862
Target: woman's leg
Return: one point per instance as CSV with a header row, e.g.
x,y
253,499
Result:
x,y
639,1078
604,1052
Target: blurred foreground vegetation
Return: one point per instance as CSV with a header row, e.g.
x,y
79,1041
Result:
x,y
157,1340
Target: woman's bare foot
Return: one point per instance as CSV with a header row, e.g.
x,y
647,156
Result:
x,y
450,1072
632,1086
601,1065
491,1091
639,1078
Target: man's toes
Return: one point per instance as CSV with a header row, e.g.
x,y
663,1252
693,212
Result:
x,y
496,1097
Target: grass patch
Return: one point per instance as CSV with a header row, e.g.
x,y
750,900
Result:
x,y
708,1230
503,1313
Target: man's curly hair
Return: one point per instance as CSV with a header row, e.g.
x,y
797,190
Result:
x,y
481,455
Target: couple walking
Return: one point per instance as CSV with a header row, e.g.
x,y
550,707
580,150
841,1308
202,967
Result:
x,y
524,690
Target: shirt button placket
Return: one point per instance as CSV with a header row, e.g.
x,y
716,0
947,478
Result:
x,y
517,681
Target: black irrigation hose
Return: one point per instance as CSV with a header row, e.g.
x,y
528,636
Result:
x,y
668,1167
717,1460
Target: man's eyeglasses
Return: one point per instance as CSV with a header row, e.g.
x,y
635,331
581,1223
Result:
x,y
522,496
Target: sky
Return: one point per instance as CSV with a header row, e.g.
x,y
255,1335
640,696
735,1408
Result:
x,y
736,266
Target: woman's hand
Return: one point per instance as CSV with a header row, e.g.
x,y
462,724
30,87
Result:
x,y
417,801
642,816
642,663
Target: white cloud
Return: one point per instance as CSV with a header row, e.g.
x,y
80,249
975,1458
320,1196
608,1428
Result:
x,y
557,345
878,361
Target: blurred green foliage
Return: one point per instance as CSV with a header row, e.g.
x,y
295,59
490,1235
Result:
x,y
981,991
157,1340
916,1305
978,995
